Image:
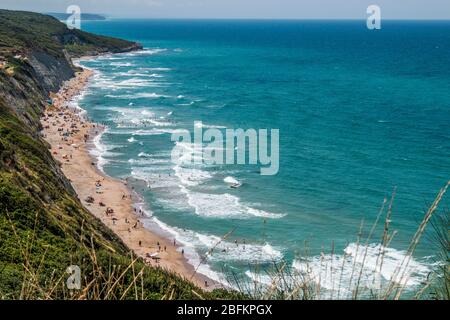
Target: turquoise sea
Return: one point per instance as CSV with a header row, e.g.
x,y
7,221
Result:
x,y
360,112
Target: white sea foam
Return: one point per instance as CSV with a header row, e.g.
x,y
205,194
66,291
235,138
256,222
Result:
x,y
103,82
144,155
186,104
155,69
155,132
134,82
223,206
206,126
341,271
107,57
146,162
122,64
150,51
74,104
137,118
152,175
110,82
204,203
158,123
133,73
150,95
129,113
231,180
132,117
190,152
110,58
99,151
190,176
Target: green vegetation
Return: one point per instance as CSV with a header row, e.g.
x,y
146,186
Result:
x,y
24,31
440,290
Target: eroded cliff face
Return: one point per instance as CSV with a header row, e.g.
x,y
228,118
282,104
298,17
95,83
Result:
x,y
29,82
24,92
50,71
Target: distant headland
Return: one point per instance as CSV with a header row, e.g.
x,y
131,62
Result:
x,y
84,16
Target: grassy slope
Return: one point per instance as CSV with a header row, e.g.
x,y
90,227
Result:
x,y
21,31
43,226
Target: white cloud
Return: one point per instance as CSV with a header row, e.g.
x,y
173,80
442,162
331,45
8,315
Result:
x,y
335,9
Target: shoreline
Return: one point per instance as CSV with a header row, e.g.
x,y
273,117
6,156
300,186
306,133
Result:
x,y
109,199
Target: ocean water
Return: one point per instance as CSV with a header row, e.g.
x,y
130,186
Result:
x,y
360,112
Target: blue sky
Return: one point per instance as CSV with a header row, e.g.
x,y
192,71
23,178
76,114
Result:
x,y
278,9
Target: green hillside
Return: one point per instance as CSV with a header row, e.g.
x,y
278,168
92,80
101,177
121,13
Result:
x,y
28,30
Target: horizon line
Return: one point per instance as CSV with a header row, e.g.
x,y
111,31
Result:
x,y
116,17
253,18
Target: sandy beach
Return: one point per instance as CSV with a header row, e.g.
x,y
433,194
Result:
x,y
106,198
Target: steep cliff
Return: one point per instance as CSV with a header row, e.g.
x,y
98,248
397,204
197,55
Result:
x,y
43,226
36,51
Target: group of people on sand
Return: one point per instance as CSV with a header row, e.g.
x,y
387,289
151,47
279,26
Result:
x,y
65,123
155,256
140,211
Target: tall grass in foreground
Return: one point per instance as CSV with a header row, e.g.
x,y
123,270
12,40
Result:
x,y
360,273
105,275
440,238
